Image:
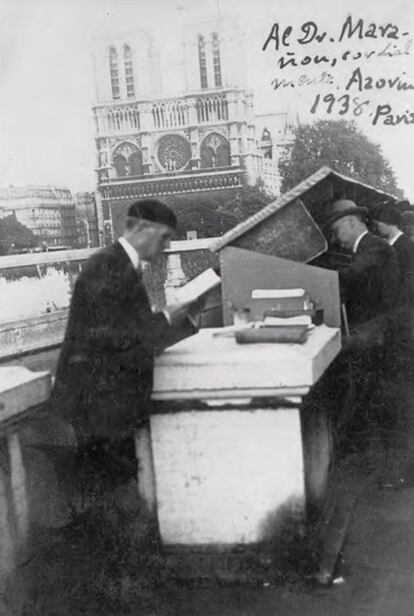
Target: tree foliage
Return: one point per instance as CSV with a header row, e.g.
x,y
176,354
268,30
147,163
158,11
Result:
x,y
15,236
212,214
341,146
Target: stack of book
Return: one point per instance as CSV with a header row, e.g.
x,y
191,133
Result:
x,y
282,315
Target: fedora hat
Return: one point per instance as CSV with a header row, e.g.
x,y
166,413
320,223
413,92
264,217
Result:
x,y
386,214
342,208
407,219
404,206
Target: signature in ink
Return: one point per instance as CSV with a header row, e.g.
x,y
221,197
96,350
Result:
x,y
360,82
304,80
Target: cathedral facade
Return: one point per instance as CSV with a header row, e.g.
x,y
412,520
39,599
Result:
x,y
205,139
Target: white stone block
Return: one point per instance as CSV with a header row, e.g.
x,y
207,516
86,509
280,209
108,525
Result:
x,y
227,477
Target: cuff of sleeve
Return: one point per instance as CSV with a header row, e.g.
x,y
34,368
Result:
x,y
193,322
167,316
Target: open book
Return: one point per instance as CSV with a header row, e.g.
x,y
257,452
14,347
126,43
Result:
x,y
197,287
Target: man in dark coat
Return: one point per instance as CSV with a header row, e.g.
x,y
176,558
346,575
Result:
x,y
387,222
104,377
369,288
400,356
370,283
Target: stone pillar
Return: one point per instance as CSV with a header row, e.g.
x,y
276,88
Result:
x,y
234,145
175,276
232,105
99,216
244,139
192,111
195,149
146,124
145,119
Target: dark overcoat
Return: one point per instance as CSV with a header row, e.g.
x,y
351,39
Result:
x,y
404,316
370,291
404,249
105,371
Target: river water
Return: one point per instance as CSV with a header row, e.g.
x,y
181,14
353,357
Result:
x,y
23,296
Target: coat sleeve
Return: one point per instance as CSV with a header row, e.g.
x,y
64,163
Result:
x,y
408,277
110,325
376,270
364,270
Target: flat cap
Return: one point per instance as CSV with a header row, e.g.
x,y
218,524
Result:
x,y
154,211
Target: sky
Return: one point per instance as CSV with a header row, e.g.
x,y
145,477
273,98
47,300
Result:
x,y
47,89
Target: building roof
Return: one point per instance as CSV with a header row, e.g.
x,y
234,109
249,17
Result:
x,y
280,126
39,192
316,191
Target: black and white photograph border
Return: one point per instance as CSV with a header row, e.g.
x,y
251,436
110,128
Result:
x,y
207,302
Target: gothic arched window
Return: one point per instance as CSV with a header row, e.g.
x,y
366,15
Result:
x,y
207,157
223,155
135,163
127,160
202,62
129,72
120,165
113,68
215,151
216,61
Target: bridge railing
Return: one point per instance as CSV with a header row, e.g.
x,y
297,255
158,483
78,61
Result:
x,y
22,470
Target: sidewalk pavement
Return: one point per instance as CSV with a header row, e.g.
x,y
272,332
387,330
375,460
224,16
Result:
x,y
90,573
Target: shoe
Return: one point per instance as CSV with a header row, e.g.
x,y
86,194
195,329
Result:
x,y
392,484
319,579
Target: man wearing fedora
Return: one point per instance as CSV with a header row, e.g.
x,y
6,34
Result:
x,y
104,376
369,284
387,221
369,289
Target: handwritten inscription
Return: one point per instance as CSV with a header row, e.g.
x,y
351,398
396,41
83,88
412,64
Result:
x,y
344,103
359,82
309,32
304,80
353,42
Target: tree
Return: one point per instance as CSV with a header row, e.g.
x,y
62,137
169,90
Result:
x,y
340,146
15,236
212,214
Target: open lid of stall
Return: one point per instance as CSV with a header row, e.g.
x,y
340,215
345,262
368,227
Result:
x,y
288,227
273,248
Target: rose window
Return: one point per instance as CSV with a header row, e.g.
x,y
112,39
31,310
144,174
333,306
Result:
x,y
174,152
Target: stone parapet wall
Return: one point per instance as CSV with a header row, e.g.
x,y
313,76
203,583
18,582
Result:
x,y
32,335
36,283
30,495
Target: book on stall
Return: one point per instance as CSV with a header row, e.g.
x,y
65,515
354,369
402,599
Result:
x,y
302,319
278,293
197,287
285,334
289,302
